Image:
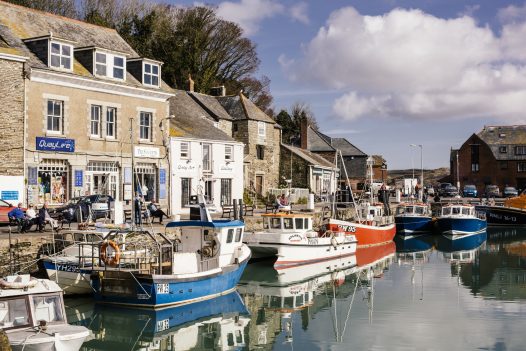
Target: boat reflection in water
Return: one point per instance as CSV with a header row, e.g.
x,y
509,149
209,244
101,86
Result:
x,y
278,298
413,249
455,246
499,271
216,324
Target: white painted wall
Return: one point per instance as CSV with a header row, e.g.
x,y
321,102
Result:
x,y
193,168
12,189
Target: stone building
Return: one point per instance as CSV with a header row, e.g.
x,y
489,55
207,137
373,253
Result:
x,y
261,136
308,170
87,93
12,115
202,157
495,155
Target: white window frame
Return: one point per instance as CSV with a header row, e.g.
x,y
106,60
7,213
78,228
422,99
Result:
x,y
109,65
61,56
229,153
150,74
113,123
207,159
144,126
262,129
54,116
102,65
185,154
96,121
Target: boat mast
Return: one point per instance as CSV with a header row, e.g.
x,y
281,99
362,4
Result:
x,y
349,185
133,171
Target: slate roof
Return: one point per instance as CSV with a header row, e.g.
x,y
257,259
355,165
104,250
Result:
x,y
317,142
510,136
240,107
312,158
192,121
211,105
18,23
346,147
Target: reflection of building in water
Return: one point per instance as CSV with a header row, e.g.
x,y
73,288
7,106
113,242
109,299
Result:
x,y
500,272
217,324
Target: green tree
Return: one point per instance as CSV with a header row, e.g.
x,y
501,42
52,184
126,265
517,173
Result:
x,y
291,122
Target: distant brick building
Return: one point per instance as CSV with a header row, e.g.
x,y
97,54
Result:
x,y
495,155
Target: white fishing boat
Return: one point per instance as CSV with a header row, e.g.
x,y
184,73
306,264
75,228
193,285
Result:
x,y
33,317
290,238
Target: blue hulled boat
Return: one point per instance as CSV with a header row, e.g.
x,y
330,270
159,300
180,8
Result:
x,y
458,219
458,243
193,260
413,218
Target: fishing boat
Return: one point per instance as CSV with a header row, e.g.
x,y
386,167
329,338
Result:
x,y
413,218
289,238
511,213
372,226
216,324
459,219
32,315
193,260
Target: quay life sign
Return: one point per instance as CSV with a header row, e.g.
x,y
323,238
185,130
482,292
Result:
x,y
147,151
55,144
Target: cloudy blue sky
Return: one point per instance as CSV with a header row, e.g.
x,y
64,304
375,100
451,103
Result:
x,y
389,73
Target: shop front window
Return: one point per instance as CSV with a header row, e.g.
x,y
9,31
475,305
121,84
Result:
x,y
53,182
226,191
145,180
186,190
102,178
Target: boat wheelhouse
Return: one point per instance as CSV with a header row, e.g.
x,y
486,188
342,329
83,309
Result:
x,y
33,317
413,218
459,219
290,238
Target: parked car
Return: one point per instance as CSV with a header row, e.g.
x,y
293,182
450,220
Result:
x,y
450,191
430,190
469,191
510,191
492,191
5,207
99,205
442,188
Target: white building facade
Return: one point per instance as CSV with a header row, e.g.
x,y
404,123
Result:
x,y
213,168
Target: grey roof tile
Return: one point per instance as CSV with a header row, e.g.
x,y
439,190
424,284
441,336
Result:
x,y
308,156
211,105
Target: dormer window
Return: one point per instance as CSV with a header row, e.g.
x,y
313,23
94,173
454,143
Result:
x,y
109,65
61,56
150,74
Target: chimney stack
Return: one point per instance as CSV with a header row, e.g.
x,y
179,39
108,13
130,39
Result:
x,y
190,84
304,126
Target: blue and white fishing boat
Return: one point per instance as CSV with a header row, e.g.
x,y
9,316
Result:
x,y
192,261
460,219
413,218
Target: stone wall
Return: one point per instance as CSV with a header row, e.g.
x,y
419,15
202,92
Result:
x,y
300,170
12,95
25,250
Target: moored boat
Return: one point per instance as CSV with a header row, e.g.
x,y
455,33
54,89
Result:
x,y
373,226
511,213
290,238
192,261
458,219
32,315
413,218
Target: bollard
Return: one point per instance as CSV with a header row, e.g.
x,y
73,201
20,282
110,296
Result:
x,y
236,209
310,202
241,209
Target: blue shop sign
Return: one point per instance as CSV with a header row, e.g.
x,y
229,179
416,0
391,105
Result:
x,y
79,176
55,144
9,195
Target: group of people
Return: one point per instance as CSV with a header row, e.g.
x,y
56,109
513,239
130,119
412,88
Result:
x,y
152,210
282,203
26,219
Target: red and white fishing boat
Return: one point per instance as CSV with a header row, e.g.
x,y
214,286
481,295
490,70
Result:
x,y
290,238
373,226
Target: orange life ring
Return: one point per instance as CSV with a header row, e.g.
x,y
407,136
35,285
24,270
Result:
x,y
110,261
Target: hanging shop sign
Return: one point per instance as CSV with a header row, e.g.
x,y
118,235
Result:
x,y
79,177
32,175
147,151
162,183
55,144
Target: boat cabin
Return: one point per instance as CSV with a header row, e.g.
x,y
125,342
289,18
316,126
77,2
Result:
x,y
373,213
28,307
286,222
409,210
458,211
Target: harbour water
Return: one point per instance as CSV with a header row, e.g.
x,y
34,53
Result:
x,y
423,293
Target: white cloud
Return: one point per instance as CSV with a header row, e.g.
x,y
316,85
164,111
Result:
x,y
299,12
407,63
512,13
469,10
249,13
